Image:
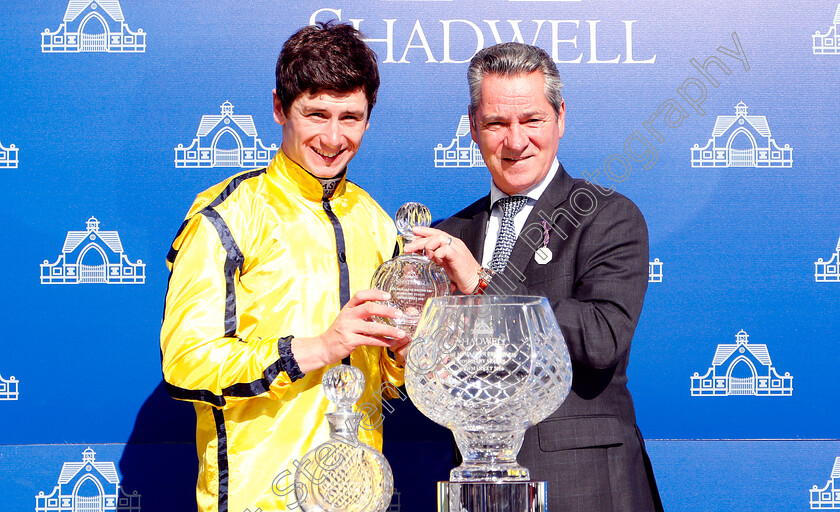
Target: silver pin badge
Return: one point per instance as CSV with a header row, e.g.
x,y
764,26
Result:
x,y
543,254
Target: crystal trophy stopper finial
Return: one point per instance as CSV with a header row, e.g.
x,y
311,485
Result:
x,y
343,386
412,214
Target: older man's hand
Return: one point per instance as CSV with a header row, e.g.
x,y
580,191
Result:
x,y
448,252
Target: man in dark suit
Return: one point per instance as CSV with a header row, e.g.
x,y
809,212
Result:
x,y
542,232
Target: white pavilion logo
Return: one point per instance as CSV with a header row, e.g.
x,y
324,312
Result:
x,y
829,496
396,502
225,140
8,157
88,486
482,327
741,369
828,271
93,26
741,141
462,151
830,41
655,271
93,256
8,388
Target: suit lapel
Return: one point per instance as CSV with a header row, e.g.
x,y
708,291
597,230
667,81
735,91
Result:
x,y
556,193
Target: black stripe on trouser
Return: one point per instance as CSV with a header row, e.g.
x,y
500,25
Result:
x,y
233,262
341,252
222,458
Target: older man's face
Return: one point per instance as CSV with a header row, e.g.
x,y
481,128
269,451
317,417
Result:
x,y
516,130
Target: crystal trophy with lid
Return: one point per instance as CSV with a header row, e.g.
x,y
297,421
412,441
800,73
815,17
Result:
x,y
343,474
410,278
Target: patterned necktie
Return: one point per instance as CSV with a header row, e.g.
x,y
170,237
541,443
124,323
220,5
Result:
x,y
507,234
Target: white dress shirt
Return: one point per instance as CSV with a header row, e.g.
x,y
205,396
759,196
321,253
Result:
x,y
494,224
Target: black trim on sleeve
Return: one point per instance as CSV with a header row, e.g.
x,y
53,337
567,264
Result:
x,y
287,359
196,395
233,184
227,191
222,456
239,390
233,262
170,256
255,387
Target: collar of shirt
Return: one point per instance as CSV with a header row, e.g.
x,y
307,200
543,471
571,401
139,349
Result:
x,y
330,184
494,223
288,175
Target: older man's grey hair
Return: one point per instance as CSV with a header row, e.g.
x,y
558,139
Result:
x,y
513,59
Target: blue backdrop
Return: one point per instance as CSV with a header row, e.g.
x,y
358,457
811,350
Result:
x,y
719,119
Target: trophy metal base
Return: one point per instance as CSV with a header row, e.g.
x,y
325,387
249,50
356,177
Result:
x,y
527,496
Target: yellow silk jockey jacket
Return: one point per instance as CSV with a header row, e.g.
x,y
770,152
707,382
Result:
x,y
261,256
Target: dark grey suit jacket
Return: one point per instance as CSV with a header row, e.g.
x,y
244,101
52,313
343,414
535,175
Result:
x,y
590,451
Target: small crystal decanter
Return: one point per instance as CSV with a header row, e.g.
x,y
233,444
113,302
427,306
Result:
x,y
410,278
343,474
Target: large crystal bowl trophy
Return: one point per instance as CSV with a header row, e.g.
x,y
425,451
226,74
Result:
x,y
488,367
343,474
410,278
